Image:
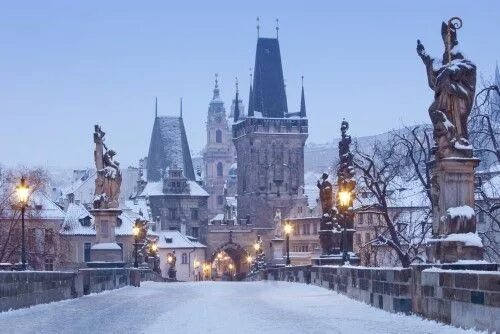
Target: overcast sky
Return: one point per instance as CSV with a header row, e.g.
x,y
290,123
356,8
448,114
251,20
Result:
x,y
66,65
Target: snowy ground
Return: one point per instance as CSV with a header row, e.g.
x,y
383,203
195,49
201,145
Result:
x,y
214,307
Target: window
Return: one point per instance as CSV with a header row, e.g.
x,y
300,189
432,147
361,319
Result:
x,y
195,231
367,237
86,251
173,228
49,237
358,239
172,213
370,218
220,169
194,214
360,218
85,221
306,229
164,225
49,264
218,136
315,228
220,200
299,209
296,229
184,258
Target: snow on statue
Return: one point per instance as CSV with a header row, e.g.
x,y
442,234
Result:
x,y
453,80
109,177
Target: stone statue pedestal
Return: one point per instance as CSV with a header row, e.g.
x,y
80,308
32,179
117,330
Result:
x,y
278,251
106,252
453,219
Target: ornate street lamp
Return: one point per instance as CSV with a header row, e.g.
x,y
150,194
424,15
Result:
x,y
288,230
344,202
136,231
22,191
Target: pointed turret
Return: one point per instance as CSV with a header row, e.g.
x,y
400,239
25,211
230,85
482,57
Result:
x,y
181,108
302,112
497,76
269,95
250,101
236,105
156,106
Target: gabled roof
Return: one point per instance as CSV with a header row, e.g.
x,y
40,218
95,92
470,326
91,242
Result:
x,y
156,189
169,147
175,239
269,95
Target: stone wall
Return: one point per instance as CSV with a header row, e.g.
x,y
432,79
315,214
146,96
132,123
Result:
x,y
463,298
388,289
23,289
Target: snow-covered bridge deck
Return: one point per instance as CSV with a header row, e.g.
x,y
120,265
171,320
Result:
x,y
214,307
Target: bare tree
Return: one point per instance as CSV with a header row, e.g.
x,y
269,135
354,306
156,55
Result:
x,y
485,134
389,172
10,213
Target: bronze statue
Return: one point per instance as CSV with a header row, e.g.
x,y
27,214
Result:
x,y
109,177
345,172
325,194
453,80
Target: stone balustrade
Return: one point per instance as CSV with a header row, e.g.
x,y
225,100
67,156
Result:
x,y
446,293
20,289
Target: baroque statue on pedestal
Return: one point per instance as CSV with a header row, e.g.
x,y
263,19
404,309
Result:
x,y
109,177
453,80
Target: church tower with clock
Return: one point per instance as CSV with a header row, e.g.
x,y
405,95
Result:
x,y
219,152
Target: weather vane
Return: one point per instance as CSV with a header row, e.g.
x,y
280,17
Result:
x,y
258,26
277,27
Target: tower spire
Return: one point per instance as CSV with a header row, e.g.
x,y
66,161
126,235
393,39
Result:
x,y
258,26
236,104
250,97
181,107
216,88
302,112
156,106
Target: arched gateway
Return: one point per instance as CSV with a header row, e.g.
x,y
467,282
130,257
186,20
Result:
x,y
229,260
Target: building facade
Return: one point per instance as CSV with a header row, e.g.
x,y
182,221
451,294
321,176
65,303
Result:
x,y
219,153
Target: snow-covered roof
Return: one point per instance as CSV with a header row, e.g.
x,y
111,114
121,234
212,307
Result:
x,y
140,206
231,201
76,213
83,188
217,217
175,239
40,206
156,189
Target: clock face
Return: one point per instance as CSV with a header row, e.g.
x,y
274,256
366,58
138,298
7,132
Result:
x,y
218,119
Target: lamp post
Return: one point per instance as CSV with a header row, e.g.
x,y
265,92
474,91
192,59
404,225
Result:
x,y
249,261
22,191
288,229
344,203
256,246
136,231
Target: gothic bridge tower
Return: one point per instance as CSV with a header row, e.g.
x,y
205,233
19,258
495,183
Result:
x,y
269,143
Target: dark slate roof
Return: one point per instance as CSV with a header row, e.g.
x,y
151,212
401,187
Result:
x,y
169,146
269,95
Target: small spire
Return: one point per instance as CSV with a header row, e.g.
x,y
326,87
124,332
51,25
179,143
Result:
x,y
250,97
181,107
258,26
236,104
277,28
156,106
497,75
216,88
302,112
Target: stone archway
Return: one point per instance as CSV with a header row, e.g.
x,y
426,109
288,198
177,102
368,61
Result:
x,y
237,254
